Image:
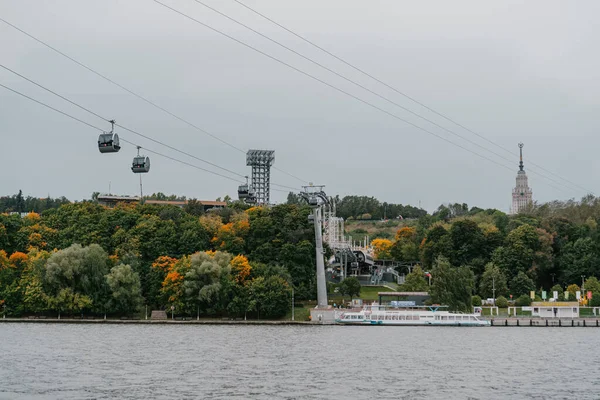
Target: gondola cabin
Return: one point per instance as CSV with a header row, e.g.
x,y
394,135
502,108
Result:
x,y
108,143
141,164
251,198
243,192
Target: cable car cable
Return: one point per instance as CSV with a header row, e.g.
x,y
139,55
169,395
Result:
x,y
124,140
400,92
351,81
369,90
121,126
339,89
134,93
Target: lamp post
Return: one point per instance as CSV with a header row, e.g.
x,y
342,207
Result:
x,y
552,278
3,310
494,289
292,302
172,313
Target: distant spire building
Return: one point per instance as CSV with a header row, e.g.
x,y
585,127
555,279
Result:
x,y
522,195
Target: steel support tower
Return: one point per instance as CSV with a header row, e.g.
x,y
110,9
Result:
x,y
261,161
316,198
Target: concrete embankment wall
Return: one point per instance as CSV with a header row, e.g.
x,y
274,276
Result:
x,y
546,322
496,322
152,322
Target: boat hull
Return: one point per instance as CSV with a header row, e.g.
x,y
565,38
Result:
x,y
414,323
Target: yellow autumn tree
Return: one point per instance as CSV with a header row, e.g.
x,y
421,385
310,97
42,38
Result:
x,y
32,218
406,233
172,285
38,236
211,223
4,262
240,269
18,259
164,264
231,237
381,248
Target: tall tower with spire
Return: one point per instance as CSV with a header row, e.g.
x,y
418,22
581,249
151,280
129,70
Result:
x,y
522,194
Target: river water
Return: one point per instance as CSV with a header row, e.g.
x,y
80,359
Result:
x,y
71,361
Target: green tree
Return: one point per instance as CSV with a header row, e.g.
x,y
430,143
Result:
x,y
83,271
526,249
523,301
452,286
415,281
69,301
501,302
204,281
578,258
125,290
467,242
492,278
436,243
270,297
350,287
559,289
572,289
521,284
592,285
476,301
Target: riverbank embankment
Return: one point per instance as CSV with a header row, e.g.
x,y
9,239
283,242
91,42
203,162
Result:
x,y
152,322
495,322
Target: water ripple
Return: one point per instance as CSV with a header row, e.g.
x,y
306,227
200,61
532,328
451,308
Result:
x,y
139,362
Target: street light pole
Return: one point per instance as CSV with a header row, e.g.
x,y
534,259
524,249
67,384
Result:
x,y
292,302
494,289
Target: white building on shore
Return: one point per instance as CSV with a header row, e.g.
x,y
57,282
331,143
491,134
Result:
x,y
554,309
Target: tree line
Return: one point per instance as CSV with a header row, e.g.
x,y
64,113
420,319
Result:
x,y
83,257
19,204
365,207
549,247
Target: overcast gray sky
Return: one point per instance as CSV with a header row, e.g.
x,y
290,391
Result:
x,y
512,71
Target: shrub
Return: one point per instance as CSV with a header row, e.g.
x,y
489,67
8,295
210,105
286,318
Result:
x,y
523,301
501,302
476,300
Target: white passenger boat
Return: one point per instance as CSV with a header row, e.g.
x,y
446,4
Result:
x,y
425,315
